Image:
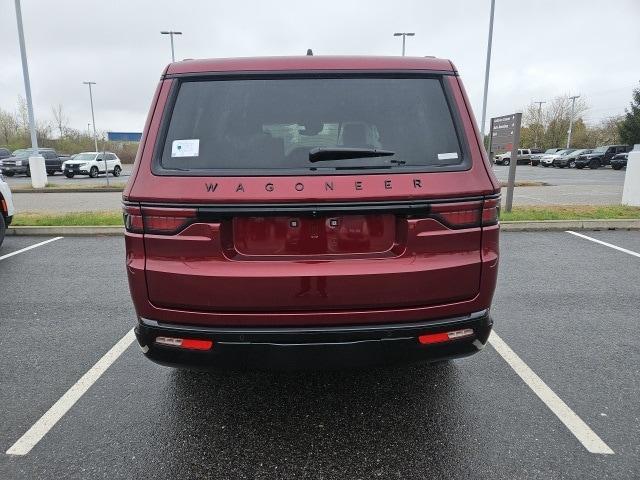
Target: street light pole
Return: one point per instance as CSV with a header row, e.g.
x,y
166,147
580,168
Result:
x,y
93,118
573,104
404,35
487,68
539,120
25,75
36,169
171,33
95,136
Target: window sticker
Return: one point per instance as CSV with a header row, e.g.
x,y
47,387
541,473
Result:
x,y
448,156
185,148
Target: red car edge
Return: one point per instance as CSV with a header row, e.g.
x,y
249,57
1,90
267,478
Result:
x,y
332,210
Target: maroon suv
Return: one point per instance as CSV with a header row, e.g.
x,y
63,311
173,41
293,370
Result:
x,y
338,210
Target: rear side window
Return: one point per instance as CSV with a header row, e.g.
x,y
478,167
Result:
x,y
269,125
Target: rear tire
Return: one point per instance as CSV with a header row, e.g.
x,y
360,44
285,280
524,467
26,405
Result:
x,y
116,171
616,167
572,164
51,172
594,164
93,172
506,162
69,175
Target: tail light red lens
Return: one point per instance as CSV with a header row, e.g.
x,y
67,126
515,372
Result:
x,y
458,215
467,214
157,221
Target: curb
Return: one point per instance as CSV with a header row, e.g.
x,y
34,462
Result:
x,y
523,226
69,190
70,231
561,225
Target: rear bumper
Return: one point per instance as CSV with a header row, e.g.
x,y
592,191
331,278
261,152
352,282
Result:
x,y
313,347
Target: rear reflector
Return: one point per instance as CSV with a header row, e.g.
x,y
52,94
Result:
x,y
444,336
189,343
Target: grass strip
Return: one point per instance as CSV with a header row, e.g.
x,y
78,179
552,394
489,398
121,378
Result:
x,y
556,212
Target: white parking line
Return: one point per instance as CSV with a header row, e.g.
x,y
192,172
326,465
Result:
x,y
62,406
591,441
29,248
630,252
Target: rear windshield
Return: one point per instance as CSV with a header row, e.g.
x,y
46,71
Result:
x,y
256,126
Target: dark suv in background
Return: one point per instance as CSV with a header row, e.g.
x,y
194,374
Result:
x,y
600,156
19,162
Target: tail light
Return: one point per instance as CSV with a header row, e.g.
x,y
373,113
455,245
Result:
x,y
132,219
467,214
457,215
157,221
490,211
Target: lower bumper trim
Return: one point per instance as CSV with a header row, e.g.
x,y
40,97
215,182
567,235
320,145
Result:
x,y
315,347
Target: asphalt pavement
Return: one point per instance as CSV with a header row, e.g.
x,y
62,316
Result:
x,y
567,306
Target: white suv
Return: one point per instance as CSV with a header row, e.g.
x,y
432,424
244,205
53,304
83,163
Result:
x,y
6,207
92,164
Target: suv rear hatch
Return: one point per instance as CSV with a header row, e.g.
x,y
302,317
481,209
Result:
x,y
248,222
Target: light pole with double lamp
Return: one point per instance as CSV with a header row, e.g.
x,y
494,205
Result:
x,y
95,136
404,35
171,33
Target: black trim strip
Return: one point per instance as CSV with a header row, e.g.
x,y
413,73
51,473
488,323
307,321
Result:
x,y
309,335
311,206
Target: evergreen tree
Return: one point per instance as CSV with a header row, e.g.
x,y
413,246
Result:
x,y
629,128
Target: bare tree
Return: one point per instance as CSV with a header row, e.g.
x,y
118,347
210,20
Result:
x,y
22,114
61,120
8,126
551,123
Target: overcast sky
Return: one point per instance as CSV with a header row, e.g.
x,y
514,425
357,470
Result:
x,y
541,48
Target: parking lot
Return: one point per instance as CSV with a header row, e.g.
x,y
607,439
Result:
x,y
566,306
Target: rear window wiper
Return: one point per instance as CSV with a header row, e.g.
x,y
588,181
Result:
x,y
323,154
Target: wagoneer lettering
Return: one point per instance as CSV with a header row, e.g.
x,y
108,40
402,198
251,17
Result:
x,y
331,230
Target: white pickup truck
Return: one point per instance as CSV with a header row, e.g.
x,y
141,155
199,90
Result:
x,y
524,156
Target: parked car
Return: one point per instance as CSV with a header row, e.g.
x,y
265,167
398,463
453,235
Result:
x,y
569,160
535,157
92,164
547,159
262,226
600,156
18,163
6,208
619,161
524,157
